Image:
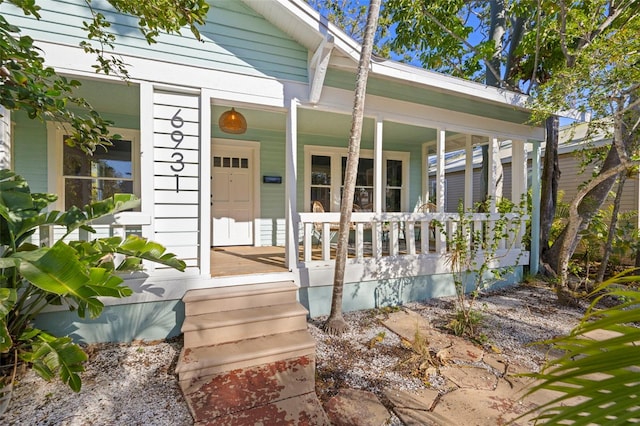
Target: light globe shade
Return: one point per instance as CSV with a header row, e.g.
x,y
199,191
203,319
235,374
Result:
x,y
232,122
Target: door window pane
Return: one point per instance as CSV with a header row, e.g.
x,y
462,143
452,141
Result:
x,y
321,180
323,195
365,171
363,196
320,170
393,200
394,173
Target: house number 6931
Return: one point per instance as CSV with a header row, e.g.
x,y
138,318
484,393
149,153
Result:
x,y
177,136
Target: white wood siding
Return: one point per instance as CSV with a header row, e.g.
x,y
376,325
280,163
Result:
x,y
176,173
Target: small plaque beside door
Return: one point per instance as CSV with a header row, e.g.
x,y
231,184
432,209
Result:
x,y
272,179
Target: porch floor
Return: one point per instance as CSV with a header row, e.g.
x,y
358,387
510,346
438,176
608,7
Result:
x,y
246,260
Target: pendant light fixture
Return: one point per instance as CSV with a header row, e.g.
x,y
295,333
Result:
x,y
232,122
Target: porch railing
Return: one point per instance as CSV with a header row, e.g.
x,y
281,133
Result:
x,y
404,234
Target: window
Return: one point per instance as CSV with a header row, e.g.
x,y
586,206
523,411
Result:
x,y
393,191
325,171
321,180
89,178
82,179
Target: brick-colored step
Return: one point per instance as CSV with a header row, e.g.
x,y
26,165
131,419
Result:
x,y
208,360
221,299
230,326
243,389
302,410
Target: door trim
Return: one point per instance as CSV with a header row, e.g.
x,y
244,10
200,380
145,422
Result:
x,y
255,160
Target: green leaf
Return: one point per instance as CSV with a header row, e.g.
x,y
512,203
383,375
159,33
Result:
x,y
50,356
55,269
602,373
8,262
8,297
141,248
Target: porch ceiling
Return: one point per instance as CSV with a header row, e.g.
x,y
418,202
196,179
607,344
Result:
x,y
111,97
315,122
122,99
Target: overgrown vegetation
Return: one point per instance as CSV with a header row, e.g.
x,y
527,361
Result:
x,y
72,274
474,247
625,243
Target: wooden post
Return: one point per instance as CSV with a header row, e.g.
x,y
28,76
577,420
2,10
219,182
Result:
x,y
468,174
534,256
291,173
376,231
440,199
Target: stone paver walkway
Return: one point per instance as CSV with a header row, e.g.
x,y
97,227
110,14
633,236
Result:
x,y
484,387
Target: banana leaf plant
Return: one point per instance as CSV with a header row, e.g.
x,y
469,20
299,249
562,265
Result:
x,y
75,274
597,378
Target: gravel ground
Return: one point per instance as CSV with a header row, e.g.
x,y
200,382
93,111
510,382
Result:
x,y
134,384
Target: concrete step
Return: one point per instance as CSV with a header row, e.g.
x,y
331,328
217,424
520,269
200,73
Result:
x,y
220,299
216,328
204,361
244,389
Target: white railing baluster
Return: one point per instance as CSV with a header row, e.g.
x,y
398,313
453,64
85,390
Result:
x,y
410,237
359,242
326,241
308,241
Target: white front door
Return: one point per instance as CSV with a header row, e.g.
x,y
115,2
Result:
x,y
232,204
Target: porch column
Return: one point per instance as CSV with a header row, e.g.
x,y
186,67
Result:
x,y
147,201
534,255
5,139
518,180
291,163
377,186
377,166
468,174
440,152
205,183
494,170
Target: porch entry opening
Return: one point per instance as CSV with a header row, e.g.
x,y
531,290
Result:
x,y
232,203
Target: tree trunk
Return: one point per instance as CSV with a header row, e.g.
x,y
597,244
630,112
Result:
x,y
497,31
612,228
549,192
336,324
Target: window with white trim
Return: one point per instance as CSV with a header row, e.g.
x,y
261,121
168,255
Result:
x,y
325,168
82,178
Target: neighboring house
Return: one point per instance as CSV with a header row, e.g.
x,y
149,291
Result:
x,y
573,140
292,76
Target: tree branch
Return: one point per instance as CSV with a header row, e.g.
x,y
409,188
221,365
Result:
x,y
470,46
537,55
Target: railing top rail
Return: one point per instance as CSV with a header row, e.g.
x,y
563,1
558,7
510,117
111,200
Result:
x,y
368,217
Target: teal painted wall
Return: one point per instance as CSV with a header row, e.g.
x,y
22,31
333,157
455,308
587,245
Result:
x,y
118,323
161,320
30,151
235,38
394,292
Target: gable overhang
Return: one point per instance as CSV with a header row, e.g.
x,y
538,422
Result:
x,y
305,25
